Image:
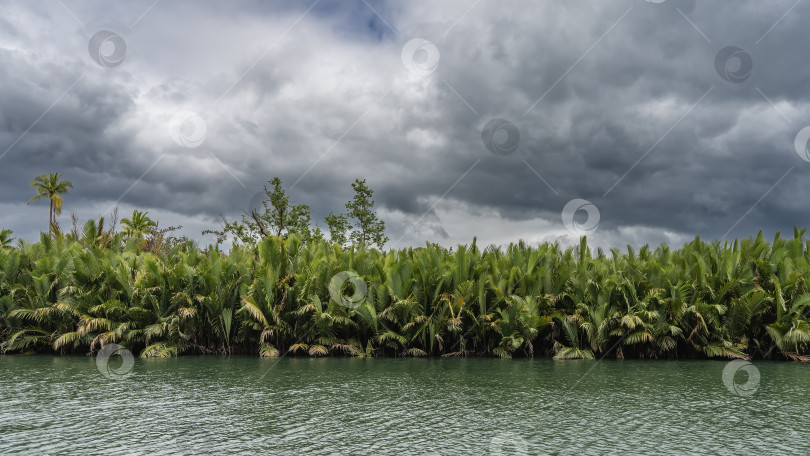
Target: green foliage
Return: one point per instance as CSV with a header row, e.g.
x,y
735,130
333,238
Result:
x,y
368,229
51,186
137,226
338,225
5,238
276,216
93,234
75,293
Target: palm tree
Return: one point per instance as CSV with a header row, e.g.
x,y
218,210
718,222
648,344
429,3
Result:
x,y
138,225
78,292
52,187
5,238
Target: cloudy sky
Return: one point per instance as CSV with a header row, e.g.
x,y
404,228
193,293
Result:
x,y
631,121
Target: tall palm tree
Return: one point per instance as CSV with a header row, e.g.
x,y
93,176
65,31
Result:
x,y
51,186
137,225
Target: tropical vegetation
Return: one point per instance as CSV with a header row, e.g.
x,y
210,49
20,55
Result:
x,y
284,289
51,186
75,293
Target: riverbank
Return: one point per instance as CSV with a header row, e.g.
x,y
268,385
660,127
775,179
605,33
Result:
x,y
739,299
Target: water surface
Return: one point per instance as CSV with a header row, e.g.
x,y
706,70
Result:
x,y
295,406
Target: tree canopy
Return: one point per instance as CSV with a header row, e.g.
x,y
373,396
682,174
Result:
x,y
275,214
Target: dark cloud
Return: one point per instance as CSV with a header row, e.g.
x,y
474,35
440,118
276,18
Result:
x,y
617,103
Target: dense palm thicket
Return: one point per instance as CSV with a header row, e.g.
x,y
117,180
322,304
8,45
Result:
x,y
75,294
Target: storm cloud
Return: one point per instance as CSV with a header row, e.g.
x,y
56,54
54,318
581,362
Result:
x,y
670,119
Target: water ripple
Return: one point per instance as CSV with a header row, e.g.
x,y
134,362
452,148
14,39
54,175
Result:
x,y
395,406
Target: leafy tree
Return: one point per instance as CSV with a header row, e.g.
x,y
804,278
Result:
x,y
164,239
368,228
51,186
338,225
138,225
276,216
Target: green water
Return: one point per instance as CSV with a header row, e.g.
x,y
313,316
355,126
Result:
x,y
245,405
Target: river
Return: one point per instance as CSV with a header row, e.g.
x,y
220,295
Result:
x,y
342,406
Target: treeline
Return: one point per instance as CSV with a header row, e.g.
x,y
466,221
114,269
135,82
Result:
x,y
272,213
311,297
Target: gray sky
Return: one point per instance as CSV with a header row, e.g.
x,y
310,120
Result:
x,y
660,120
